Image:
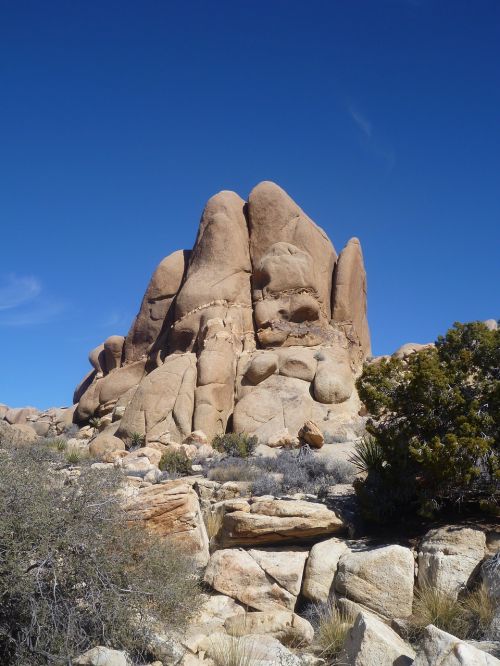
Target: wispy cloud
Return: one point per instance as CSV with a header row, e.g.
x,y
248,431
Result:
x,y
17,290
23,303
363,123
369,138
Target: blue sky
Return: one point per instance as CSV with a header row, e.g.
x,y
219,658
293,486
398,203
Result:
x,y
118,120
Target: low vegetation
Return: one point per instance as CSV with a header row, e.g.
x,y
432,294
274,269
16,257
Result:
x,y
289,472
469,617
175,463
332,626
235,444
72,574
435,428
234,650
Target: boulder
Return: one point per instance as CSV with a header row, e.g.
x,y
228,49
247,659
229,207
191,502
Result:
x,y
349,294
102,656
262,579
370,642
440,648
449,556
19,415
292,261
155,315
258,650
312,435
171,510
217,283
287,627
379,578
113,349
163,403
106,442
19,434
279,521
321,568
262,366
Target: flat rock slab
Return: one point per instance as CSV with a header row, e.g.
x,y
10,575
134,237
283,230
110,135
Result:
x,y
279,521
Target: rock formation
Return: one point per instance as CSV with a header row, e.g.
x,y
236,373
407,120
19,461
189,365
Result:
x,y
259,329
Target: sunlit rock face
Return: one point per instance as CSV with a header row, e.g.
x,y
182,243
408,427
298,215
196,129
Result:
x,y
258,329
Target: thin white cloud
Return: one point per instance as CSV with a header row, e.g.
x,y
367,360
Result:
x,y
22,302
361,121
16,290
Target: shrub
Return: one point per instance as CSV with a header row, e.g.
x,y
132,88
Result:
x,y
175,463
235,444
297,473
233,469
72,574
436,426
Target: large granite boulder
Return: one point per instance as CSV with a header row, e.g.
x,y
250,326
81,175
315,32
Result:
x,y
261,328
379,578
440,648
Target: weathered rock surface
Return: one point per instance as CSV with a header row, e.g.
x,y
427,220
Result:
x,y
439,648
278,521
370,642
448,557
379,578
102,656
285,626
171,510
321,568
245,325
263,579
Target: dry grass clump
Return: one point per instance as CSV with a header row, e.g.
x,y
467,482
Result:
x,y
469,617
332,627
234,650
233,469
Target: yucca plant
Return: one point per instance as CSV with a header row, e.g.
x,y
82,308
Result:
x,y
136,440
368,455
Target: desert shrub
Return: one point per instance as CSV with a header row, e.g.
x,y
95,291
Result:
x,y
291,472
175,463
232,469
436,426
72,574
56,443
238,445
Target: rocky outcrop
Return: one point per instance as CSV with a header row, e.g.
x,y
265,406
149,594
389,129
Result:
x,y
265,579
278,521
379,578
171,510
259,329
321,569
439,647
371,642
449,556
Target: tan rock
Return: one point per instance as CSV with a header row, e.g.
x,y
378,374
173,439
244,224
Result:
x,y
379,578
349,294
293,262
312,435
155,315
163,402
262,366
236,573
440,648
279,521
19,434
19,415
370,642
321,568
113,348
217,283
171,510
287,627
449,556
106,442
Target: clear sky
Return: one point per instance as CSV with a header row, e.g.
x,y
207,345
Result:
x,y
119,119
